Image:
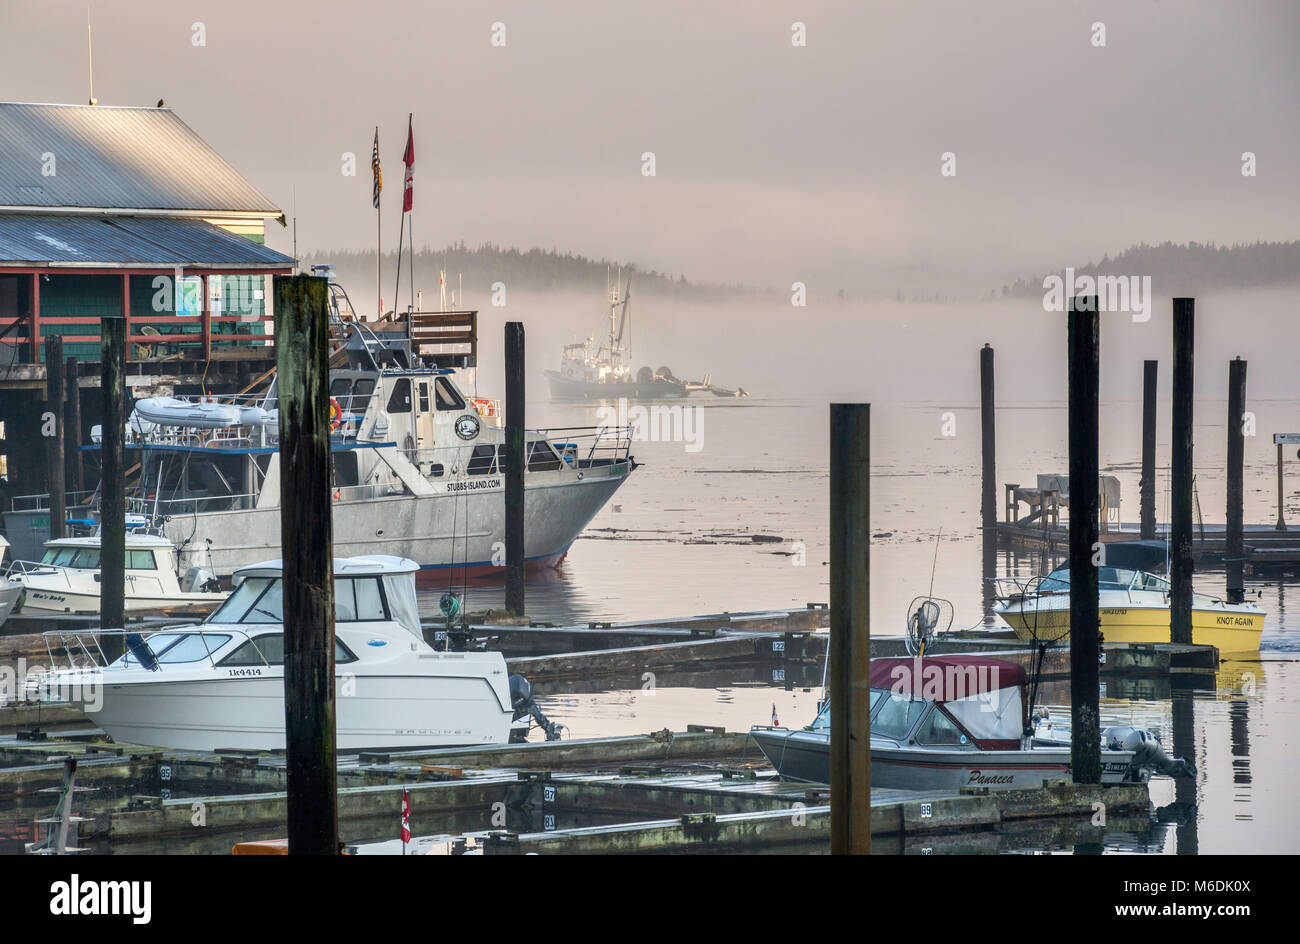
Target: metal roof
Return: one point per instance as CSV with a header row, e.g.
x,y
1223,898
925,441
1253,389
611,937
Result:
x,y
115,158
141,241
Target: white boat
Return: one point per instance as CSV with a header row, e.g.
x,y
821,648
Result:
x,y
66,579
417,470
9,589
944,722
220,684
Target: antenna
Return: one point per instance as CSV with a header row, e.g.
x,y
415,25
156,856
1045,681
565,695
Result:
x,y
90,57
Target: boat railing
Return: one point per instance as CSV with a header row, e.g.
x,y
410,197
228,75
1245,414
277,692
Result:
x,y
589,446
41,502
584,447
83,650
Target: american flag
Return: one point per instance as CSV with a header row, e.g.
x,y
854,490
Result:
x,y
374,168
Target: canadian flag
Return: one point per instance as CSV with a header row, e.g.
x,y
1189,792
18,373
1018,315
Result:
x,y
408,197
406,817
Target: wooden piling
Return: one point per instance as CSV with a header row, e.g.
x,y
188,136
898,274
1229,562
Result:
x,y
1235,547
1085,625
52,424
514,468
850,637
306,534
112,494
72,426
988,479
1180,537
1147,490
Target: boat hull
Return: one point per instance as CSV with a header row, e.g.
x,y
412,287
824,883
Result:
x,y
805,756
461,532
451,707
562,388
1225,629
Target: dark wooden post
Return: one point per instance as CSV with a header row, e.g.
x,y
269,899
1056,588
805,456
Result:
x,y
1235,549
850,640
112,494
514,471
306,536
72,425
1085,627
1148,485
988,478
1281,521
1180,538
52,424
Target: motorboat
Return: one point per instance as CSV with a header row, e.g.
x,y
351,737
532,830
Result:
x,y
944,722
220,684
10,590
66,579
1134,607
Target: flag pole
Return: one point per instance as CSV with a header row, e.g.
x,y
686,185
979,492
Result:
x,y
410,227
408,158
378,180
397,287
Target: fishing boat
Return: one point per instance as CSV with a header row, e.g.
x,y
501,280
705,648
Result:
x,y
9,589
1134,607
67,578
597,372
944,722
220,684
417,468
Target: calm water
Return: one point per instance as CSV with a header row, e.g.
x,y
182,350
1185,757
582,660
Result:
x,y
676,541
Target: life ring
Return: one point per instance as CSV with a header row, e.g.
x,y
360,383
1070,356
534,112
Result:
x,y
336,414
484,407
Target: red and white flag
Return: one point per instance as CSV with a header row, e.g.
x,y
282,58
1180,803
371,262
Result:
x,y
775,723
409,160
406,817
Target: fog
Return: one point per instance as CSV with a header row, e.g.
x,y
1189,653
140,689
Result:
x,y
775,163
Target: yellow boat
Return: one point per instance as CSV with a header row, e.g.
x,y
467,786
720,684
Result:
x,y
1134,607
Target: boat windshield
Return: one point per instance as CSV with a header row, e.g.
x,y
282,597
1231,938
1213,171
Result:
x,y
81,558
1108,578
896,715
261,600
823,720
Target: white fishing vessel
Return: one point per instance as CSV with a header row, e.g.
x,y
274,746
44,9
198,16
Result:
x,y
418,469
944,722
9,589
67,579
220,684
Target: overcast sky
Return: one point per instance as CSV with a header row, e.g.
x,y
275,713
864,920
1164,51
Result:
x,y
774,163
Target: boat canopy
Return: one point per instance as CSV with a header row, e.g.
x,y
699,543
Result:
x,y
397,574
985,696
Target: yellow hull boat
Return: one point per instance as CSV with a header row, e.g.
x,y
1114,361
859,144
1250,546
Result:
x,y
1134,607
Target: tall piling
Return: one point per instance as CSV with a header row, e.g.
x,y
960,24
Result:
x,y
988,478
112,493
514,468
52,426
306,535
849,672
1180,537
76,480
1147,489
1085,506
1235,549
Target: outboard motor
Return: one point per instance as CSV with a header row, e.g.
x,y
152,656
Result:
x,y
200,579
1148,755
525,706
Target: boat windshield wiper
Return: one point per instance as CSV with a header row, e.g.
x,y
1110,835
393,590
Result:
x,y
274,616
